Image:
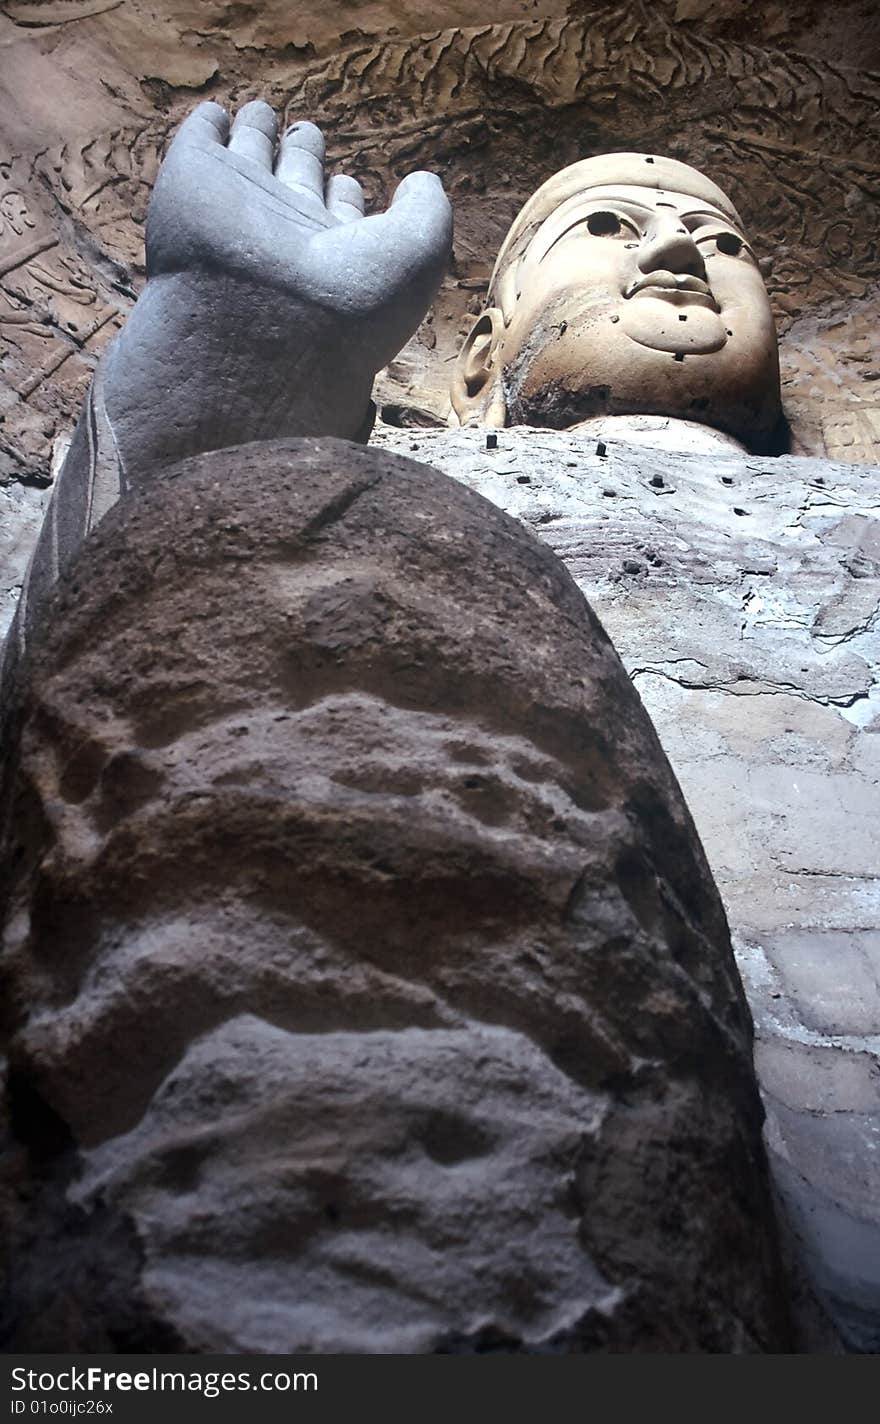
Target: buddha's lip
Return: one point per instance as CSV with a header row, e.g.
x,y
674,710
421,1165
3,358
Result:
x,y
671,282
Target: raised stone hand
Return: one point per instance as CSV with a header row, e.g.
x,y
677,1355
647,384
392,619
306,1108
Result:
x,y
270,304
271,300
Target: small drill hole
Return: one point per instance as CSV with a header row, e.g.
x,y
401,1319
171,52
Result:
x,y
649,160
682,317
679,356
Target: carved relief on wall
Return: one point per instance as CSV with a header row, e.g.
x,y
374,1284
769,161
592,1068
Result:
x,y
55,314
71,258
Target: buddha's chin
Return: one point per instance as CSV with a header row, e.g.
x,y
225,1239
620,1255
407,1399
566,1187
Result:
x,y
663,325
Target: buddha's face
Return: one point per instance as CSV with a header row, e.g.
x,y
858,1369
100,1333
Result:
x,y
628,299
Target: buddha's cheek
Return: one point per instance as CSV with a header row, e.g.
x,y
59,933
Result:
x,y
593,367
591,355
595,360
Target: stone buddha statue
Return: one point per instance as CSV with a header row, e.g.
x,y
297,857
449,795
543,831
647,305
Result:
x,y
365,984
626,300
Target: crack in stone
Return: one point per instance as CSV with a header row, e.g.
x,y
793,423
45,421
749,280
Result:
x,y
824,874
761,689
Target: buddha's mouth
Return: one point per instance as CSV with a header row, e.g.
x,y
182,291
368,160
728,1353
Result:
x,y
678,287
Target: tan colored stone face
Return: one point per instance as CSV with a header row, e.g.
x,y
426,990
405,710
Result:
x,y
626,298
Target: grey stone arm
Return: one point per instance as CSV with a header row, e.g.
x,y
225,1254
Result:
x,y
271,301
270,304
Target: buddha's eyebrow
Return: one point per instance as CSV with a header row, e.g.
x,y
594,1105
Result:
x,y
576,206
710,215
579,212
627,204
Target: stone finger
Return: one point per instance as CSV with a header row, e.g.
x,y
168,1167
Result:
x,y
253,133
301,159
208,123
345,198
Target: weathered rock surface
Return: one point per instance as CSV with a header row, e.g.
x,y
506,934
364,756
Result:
x,y
21,517
366,985
742,595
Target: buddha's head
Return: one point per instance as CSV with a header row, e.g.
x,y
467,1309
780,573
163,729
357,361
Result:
x,y
626,285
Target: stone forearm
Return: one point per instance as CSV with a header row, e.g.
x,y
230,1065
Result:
x,y
175,383
178,383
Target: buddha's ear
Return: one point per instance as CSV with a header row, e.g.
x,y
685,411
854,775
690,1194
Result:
x,y
477,392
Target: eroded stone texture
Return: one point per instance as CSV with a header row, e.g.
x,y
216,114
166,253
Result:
x,y
366,985
743,597
21,515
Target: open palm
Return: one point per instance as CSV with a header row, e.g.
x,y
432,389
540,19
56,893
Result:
x,y
234,202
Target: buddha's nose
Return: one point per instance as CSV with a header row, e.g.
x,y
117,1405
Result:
x,y
667,244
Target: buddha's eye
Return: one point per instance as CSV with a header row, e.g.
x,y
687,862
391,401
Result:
x,y
605,225
729,244
725,242
601,223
